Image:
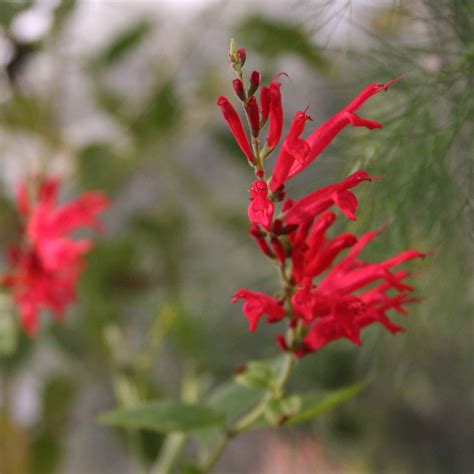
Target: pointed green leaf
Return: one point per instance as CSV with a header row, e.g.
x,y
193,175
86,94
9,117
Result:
x,y
233,399
124,42
164,417
315,404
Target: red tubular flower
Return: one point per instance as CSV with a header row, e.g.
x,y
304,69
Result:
x,y
253,115
332,309
321,138
318,201
259,237
276,115
260,210
317,235
279,249
46,268
326,256
265,99
330,328
258,304
236,127
293,149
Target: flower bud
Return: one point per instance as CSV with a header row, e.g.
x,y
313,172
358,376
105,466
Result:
x,y
256,232
265,98
253,115
241,56
279,249
281,342
239,88
255,79
278,227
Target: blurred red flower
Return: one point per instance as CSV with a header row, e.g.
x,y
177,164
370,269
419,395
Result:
x,y
47,263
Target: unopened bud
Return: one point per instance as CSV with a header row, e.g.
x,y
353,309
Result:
x,y
280,193
256,232
279,249
265,98
281,342
264,247
232,49
255,79
278,227
241,56
253,115
239,88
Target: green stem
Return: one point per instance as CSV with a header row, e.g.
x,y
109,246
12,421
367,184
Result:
x,y
251,417
171,449
174,442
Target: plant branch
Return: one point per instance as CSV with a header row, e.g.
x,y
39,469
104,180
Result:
x,y
246,422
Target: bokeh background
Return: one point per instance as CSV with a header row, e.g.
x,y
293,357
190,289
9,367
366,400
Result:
x,y
120,95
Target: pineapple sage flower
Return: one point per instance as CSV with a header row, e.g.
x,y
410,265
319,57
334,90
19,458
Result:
x,y
46,264
328,291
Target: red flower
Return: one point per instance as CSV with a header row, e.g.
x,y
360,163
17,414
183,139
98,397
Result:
x,y
336,308
258,304
265,99
297,154
328,297
318,201
293,149
276,115
322,136
47,265
236,127
260,210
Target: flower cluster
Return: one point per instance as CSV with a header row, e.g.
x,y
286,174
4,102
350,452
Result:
x,y
47,262
325,295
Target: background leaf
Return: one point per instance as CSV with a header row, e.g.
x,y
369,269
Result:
x,y
165,417
315,404
273,38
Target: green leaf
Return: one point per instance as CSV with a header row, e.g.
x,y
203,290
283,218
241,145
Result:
x,y
30,114
124,42
233,399
100,167
160,112
165,417
272,38
315,404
